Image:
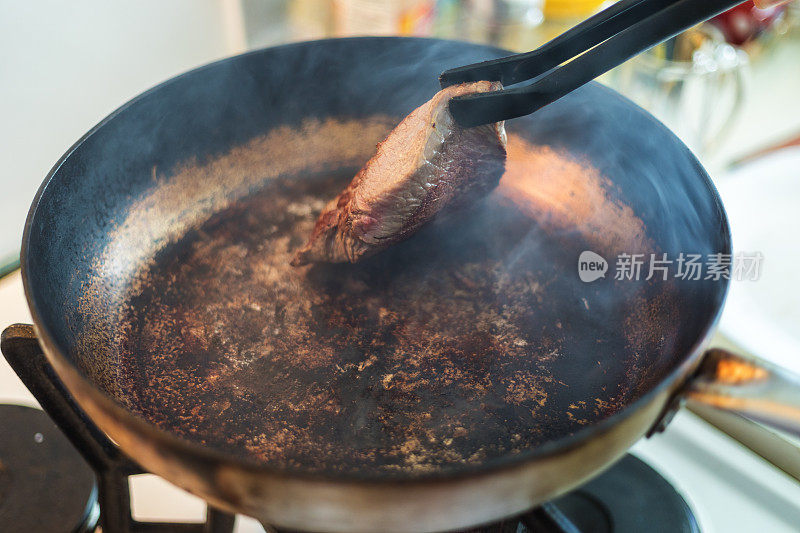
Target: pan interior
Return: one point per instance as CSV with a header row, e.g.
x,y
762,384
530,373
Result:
x,y
157,260
472,341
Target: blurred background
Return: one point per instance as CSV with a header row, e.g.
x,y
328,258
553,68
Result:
x,y
729,88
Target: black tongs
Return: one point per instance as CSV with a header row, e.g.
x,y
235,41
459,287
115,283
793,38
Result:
x,y
600,43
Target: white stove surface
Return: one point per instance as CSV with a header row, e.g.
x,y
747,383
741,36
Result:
x,y
729,488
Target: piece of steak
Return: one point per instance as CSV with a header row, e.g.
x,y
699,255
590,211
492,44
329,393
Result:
x,y
426,163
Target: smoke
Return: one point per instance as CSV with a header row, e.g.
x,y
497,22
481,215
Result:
x,y
196,145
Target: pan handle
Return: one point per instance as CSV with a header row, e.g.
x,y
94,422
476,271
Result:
x,y
752,388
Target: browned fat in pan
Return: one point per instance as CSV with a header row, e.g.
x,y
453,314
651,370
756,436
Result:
x,y
472,341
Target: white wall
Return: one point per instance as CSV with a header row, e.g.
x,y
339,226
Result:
x,y
65,65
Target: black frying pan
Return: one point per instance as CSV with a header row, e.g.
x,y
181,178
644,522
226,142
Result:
x,y
463,376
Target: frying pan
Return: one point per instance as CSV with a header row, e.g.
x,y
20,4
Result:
x,y
383,397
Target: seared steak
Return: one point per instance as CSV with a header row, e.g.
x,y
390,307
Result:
x,y
426,163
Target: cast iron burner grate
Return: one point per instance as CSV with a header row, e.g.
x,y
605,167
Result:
x,y
111,468
629,497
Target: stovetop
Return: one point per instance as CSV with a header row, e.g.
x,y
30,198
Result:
x,y
727,487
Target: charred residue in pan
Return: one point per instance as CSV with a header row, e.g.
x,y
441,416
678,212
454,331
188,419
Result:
x,y
471,341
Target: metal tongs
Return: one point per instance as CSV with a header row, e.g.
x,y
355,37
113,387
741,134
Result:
x,y
591,48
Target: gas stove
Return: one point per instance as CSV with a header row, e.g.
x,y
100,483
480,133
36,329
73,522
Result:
x,y
690,478
46,486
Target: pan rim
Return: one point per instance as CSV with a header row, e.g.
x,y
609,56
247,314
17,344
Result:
x,y
180,445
